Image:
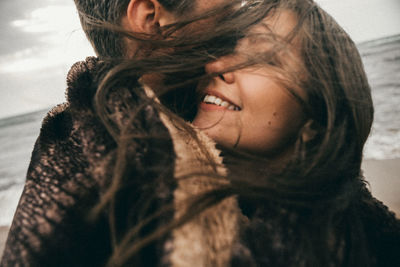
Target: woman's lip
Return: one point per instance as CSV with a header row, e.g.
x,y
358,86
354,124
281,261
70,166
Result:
x,y
222,97
212,107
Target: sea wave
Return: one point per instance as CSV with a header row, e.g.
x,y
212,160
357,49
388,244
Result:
x,y
382,65
8,202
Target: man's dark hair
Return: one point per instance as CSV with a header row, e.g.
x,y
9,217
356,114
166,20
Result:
x,y
105,42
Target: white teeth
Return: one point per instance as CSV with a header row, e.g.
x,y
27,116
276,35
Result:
x,y
224,104
218,101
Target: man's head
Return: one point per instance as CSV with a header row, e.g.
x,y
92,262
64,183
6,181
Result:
x,y
134,15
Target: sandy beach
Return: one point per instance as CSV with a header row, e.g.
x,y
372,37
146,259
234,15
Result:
x,y
3,237
384,179
382,175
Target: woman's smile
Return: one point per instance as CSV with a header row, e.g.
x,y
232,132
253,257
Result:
x,y
212,101
250,108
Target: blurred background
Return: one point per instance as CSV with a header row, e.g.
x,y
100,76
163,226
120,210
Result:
x,y
41,39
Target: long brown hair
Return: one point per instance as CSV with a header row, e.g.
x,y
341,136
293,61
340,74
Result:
x,y
322,174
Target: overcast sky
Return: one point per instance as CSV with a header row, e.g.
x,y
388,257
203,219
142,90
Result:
x,y
365,19
43,39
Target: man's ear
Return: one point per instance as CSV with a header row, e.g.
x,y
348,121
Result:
x,y
146,16
308,132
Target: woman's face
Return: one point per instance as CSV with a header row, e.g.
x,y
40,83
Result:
x,y
248,108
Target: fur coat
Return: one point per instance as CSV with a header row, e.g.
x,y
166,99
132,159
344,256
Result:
x,y
70,172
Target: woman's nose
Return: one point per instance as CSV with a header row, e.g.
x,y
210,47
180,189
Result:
x,y
221,67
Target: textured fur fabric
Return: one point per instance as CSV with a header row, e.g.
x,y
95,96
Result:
x,y
208,239
72,163
74,160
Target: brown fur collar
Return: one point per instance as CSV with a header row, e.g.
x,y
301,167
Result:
x,y
207,240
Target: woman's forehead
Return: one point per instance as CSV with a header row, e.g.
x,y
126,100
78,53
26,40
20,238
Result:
x,y
281,23
270,35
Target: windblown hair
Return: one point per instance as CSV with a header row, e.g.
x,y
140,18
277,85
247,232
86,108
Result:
x,y
106,42
323,175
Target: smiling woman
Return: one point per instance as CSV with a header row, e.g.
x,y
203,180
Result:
x,y
249,108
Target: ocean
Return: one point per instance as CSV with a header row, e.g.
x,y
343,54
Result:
x,y
17,135
382,63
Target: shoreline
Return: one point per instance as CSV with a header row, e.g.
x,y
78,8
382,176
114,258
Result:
x,y
382,175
